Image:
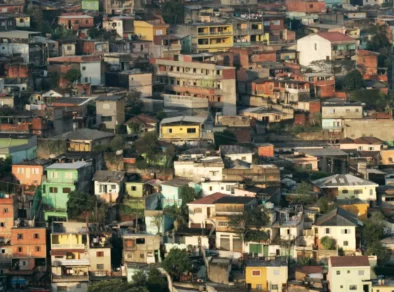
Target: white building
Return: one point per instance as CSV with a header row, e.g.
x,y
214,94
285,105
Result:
x,y
325,46
205,169
339,225
202,211
108,185
211,187
349,273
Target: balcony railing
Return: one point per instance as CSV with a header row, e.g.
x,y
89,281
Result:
x,y
70,278
215,33
66,246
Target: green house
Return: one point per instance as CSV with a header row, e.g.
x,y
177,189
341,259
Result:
x,y
61,179
93,5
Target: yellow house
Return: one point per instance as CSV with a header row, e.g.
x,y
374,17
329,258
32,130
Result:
x,y
147,30
266,275
214,37
355,206
183,129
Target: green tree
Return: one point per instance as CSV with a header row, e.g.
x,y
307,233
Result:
x,y
161,115
54,79
305,261
303,194
177,262
73,75
187,194
117,143
373,230
377,249
79,202
156,281
304,188
149,146
172,12
249,224
134,104
371,97
326,205
379,37
114,286
139,278
353,80
329,243
134,127
224,138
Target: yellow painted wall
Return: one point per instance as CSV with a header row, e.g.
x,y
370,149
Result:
x,y
361,210
179,132
256,280
65,238
79,146
139,188
147,30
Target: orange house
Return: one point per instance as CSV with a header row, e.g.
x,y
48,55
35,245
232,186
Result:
x,y
29,247
29,173
7,214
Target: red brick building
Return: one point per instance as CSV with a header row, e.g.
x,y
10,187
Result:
x,y
322,84
29,248
367,64
307,6
7,216
9,8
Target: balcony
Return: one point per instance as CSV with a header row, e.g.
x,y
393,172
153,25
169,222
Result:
x,y
214,46
215,33
68,246
70,278
241,31
170,48
342,53
71,262
297,90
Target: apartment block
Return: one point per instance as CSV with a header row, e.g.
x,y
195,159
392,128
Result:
x,y
209,81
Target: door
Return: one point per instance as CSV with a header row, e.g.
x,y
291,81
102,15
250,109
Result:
x,y
209,212
27,172
266,250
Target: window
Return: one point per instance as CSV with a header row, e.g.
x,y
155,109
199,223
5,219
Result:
x,y
37,248
20,249
142,256
86,79
53,190
2,224
133,188
327,230
223,223
100,254
358,192
361,273
68,175
21,170
210,188
106,118
21,20
169,131
274,287
243,158
78,286
315,47
35,171
276,272
100,267
66,190
345,231
345,243
259,286
69,49
36,235
338,272
113,187
191,130
197,210
2,250
353,287
345,192
348,271
256,273
20,236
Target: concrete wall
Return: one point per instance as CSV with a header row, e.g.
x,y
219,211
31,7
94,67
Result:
x,y
313,48
381,129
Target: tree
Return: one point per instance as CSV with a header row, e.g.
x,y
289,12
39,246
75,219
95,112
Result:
x,y
333,66
149,146
54,79
304,188
353,80
303,194
373,98
115,286
139,278
180,214
187,194
134,127
73,75
224,138
379,37
326,205
373,230
377,249
117,143
79,202
249,224
305,261
134,103
172,12
177,262
156,281
329,243
161,115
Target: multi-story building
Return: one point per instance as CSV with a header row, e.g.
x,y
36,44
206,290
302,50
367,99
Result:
x,y
117,7
122,25
306,6
267,275
349,273
140,250
248,31
334,113
322,84
209,81
61,179
209,36
29,251
8,215
76,22
85,140
110,110
70,261
30,172
165,46
146,30
325,46
109,185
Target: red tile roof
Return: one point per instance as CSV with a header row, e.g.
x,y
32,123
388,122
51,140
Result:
x,y
368,140
335,37
349,261
310,269
208,199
